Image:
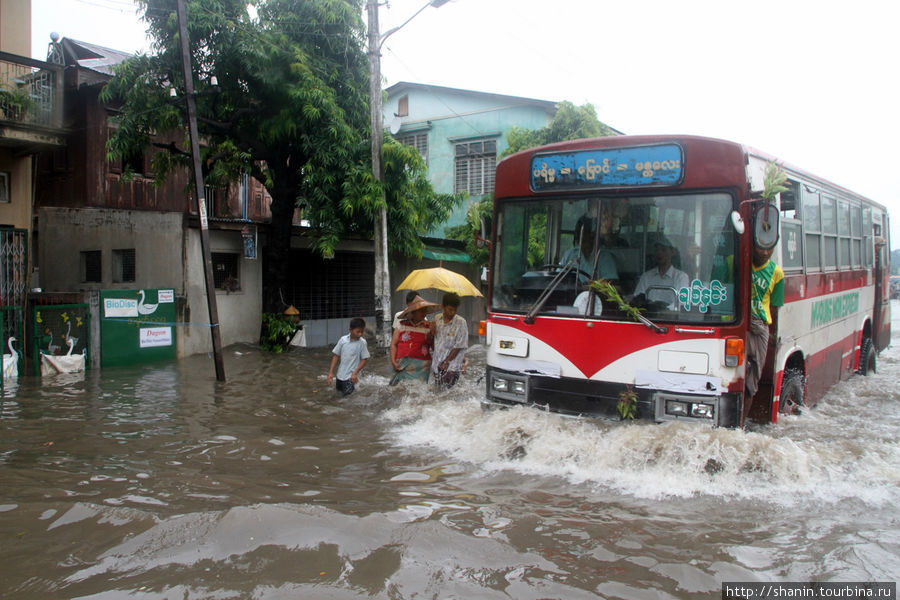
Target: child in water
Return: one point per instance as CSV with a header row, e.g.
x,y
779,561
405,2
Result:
x,y
350,356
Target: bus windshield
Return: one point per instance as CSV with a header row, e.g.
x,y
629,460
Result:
x,y
671,255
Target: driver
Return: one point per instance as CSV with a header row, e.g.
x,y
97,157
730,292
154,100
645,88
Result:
x,y
663,275
582,252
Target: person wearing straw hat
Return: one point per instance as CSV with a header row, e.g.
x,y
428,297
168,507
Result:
x,y
412,341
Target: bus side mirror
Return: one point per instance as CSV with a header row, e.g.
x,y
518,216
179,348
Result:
x,y
737,222
765,226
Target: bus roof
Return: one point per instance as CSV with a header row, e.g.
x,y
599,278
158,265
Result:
x,y
725,161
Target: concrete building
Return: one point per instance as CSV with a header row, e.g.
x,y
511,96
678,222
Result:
x,y
30,122
460,133
100,230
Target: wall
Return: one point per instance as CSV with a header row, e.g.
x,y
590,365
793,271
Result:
x,y
16,212
155,236
15,27
15,38
239,311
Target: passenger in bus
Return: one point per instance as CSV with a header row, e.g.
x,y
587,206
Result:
x,y
766,296
582,253
662,283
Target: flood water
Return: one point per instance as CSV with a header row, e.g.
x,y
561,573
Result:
x,y
158,482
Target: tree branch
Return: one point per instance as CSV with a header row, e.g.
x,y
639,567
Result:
x,y
170,147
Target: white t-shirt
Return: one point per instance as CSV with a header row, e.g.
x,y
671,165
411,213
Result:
x,y
351,353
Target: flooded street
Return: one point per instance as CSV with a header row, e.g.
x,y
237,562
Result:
x,y
158,482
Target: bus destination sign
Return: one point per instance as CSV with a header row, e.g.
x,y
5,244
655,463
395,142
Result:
x,y
607,167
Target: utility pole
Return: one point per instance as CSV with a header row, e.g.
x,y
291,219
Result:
x,y
382,270
199,192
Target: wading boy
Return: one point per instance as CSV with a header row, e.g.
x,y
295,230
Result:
x,y
350,356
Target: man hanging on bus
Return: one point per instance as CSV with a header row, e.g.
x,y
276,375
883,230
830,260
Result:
x,y
766,296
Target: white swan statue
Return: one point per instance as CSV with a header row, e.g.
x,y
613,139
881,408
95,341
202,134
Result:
x,y
69,337
145,309
68,363
10,362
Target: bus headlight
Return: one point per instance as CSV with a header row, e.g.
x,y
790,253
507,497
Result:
x,y
505,386
679,409
703,411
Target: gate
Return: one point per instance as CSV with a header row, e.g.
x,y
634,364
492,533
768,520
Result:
x,y
13,287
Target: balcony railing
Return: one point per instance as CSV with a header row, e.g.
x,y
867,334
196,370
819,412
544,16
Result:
x,y
30,91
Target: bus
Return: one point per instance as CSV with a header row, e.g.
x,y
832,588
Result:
x,y
622,208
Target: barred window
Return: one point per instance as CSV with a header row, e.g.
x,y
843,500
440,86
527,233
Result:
x,y
476,164
226,274
91,266
419,141
123,265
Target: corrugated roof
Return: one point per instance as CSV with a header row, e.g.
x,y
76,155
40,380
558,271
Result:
x,y
91,56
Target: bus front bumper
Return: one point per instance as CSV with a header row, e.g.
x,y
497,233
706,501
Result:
x,y
600,399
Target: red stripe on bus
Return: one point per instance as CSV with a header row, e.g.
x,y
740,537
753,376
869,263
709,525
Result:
x,y
800,287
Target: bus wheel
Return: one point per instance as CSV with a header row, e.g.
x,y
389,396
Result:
x,y
866,357
791,393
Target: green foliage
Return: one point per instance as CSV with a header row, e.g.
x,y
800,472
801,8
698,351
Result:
x,y
276,332
627,405
413,206
610,292
15,103
773,181
291,108
537,236
569,123
478,210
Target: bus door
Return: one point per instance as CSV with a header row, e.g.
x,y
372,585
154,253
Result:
x,y
881,318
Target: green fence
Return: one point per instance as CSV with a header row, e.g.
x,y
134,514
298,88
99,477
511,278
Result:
x,y
54,326
137,326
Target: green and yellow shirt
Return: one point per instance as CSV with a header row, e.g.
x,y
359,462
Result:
x,y
767,290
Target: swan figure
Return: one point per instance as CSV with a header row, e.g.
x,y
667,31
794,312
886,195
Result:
x,y
145,309
10,362
68,337
69,363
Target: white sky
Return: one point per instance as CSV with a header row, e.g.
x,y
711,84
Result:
x,y
813,82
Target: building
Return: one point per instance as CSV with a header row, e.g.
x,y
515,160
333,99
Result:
x,y
30,122
460,133
100,230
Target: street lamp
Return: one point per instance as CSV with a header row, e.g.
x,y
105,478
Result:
x,y
382,272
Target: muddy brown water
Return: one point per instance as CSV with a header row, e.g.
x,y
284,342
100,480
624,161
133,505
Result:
x,y
159,482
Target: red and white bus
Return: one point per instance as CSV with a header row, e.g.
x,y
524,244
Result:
x,y
618,207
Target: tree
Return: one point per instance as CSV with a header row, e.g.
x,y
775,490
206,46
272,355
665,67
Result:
x,y
569,123
290,109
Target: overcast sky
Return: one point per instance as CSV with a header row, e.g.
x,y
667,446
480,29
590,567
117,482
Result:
x,y
813,82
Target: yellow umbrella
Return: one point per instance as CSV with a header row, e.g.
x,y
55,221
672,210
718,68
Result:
x,y
439,278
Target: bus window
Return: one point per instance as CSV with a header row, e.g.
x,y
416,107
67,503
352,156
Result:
x,y
550,250
812,228
788,201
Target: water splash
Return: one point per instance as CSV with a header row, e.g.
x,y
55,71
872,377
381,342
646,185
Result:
x,y
843,449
